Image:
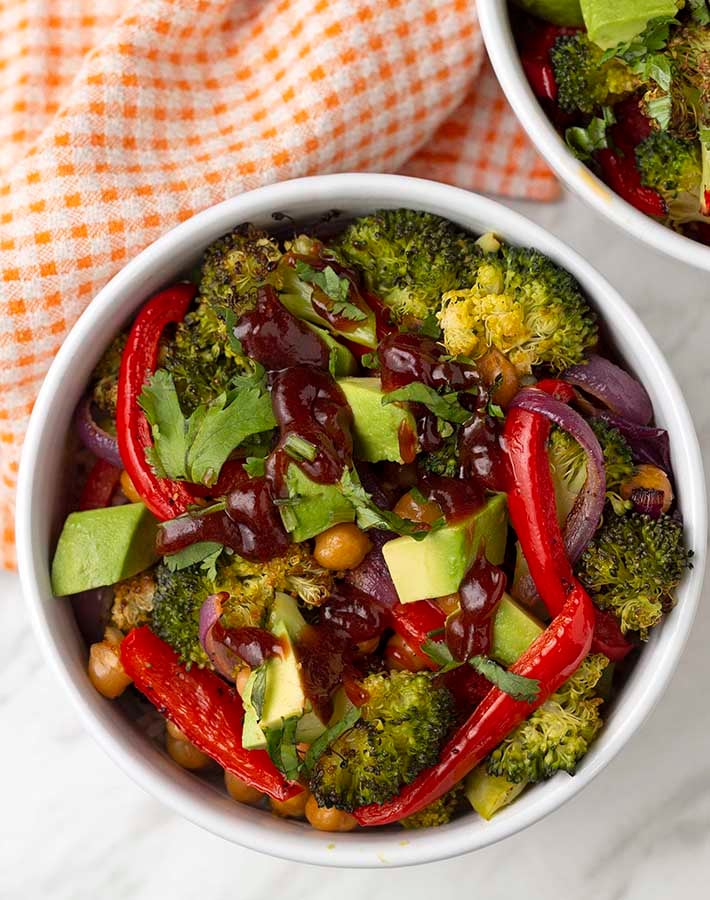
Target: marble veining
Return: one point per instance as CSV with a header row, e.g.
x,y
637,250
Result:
x,y
73,826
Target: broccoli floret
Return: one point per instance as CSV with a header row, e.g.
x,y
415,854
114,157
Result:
x,y
669,164
104,391
618,458
133,601
584,82
235,266
632,566
403,725
251,587
407,258
437,813
558,734
200,357
525,306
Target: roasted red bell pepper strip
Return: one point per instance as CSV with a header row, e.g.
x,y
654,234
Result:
x,y
100,486
551,659
204,707
532,508
414,621
165,498
621,174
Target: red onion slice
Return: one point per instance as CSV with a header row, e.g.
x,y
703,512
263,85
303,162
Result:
x,y
648,501
221,657
586,513
101,444
648,444
616,389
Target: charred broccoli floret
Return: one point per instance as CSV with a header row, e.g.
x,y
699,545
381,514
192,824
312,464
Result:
x,y
104,379
558,734
437,813
632,567
235,266
522,304
403,725
133,601
673,166
407,258
251,587
618,458
584,82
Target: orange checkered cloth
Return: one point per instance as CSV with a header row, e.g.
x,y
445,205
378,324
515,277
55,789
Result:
x,y
120,119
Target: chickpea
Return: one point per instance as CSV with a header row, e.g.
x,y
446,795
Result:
x,y
343,546
367,647
494,366
325,819
105,669
290,809
449,604
128,488
174,731
242,678
409,507
649,477
186,754
402,656
241,791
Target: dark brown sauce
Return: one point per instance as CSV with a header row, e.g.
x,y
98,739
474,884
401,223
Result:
x,y
405,358
253,645
457,498
481,454
469,629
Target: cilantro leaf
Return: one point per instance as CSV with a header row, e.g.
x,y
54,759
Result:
x,y
517,686
439,653
430,327
334,287
205,552
321,744
584,141
281,747
195,448
255,466
700,11
370,515
370,360
444,406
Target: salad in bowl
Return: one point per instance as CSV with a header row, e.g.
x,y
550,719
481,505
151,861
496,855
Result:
x,y
371,518
628,87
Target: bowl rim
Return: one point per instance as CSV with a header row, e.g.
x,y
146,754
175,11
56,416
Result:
x,y
178,789
497,36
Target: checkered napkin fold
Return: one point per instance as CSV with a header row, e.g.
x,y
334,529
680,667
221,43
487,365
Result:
x,y
120,119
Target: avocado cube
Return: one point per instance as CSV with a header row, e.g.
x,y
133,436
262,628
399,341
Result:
x,y
98,547
514,629
376,427
314,507
610,22
342,360
489,793
436,565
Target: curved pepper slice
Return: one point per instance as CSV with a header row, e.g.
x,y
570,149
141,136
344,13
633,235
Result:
x,y
163,497
551,659
206,709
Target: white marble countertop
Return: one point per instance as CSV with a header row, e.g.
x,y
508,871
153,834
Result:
x,y
73,826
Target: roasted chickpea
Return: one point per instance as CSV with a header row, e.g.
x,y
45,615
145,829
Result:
x,y
402,656
409,507
241,680
186,754
367,647
325,819
241,791
651,478
174,732
290,809
343,546
495,367
129,489
105,669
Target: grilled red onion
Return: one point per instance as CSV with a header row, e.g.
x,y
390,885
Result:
x,y
586,513
616,389
222,658
648,501
101,444
648,444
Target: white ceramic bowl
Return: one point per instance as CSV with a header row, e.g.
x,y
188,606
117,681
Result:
x,y
42,474
498,37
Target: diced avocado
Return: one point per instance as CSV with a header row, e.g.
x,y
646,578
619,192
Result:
x,y
376,426
314,507
342,360
611,22
489,793
98,547
514,629
558,12
274,691
435,566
